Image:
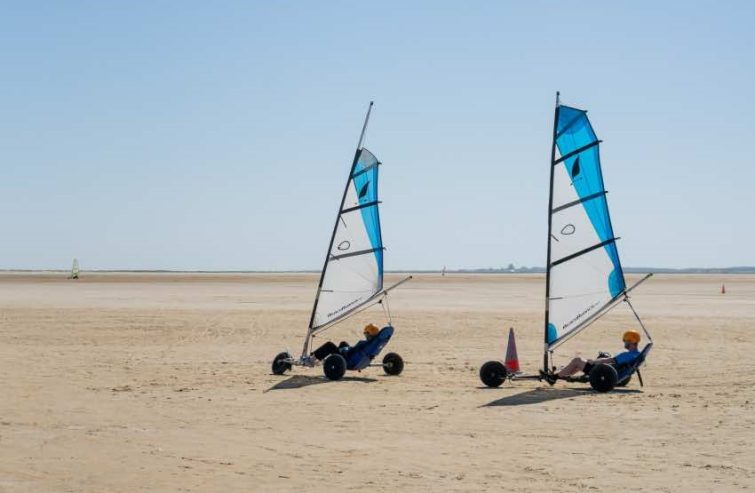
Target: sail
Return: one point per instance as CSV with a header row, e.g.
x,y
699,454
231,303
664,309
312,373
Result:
x,y
584,271
353,271
75,269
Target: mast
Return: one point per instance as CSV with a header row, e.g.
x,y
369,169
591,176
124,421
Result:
x,y
550,225
305,350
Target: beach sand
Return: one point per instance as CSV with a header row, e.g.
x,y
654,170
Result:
x,y
162,382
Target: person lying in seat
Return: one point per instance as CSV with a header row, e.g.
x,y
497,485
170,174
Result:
x,y
370,331
631,340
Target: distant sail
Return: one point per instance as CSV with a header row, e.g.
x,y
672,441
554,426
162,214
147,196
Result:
x,y
584,271
75,269
353,272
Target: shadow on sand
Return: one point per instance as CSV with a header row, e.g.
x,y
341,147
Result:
x,y
299,381
545,394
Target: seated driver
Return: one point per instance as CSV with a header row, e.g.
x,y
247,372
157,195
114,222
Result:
x,y
631,339
370,331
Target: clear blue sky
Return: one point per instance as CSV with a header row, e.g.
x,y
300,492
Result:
x,y
218,135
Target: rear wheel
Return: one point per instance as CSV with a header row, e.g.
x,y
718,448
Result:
x,y
334,367
280,365
393,364
493,373
603,377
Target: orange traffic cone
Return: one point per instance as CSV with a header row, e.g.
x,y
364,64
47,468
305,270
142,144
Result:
x,y
512,359
723,289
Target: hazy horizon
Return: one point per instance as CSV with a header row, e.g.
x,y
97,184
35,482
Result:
x,y
535,269
195,136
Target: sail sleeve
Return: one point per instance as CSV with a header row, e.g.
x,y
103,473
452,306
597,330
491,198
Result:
x,y
585,272
353,272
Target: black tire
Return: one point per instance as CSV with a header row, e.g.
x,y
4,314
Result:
x,y
603,378
280,366
393,364
493,373
334,367
624,382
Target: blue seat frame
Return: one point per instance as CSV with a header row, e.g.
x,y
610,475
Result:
x,y
627,370
361,355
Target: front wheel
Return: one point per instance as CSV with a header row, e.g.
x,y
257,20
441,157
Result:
x,y
280,363
334,366
493,373
393,364
603,377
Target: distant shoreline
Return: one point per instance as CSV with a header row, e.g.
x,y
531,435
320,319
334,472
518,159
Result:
x,y
520,270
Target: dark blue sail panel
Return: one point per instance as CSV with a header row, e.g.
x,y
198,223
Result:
x,y
576,140
365,178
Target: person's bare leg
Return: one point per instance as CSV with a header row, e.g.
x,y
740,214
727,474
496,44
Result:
x,y
574,366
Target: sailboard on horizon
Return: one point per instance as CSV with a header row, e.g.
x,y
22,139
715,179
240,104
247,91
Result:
x,y
352,275
74,269
584,276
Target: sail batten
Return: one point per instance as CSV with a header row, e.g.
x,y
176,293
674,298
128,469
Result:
x,y
360,206
582,252
354,254
577,151
579,201
584,272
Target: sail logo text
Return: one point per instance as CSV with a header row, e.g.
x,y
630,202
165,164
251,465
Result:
x,y
580,315
345,307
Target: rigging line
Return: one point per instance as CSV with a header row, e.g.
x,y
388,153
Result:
x,y
384,301
385,313
639,320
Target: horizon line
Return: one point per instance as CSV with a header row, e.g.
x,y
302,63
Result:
x,y
479,270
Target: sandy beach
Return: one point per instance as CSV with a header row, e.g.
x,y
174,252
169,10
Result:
x,y
162,382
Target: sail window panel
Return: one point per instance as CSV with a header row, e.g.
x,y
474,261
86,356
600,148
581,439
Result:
x,y
571,232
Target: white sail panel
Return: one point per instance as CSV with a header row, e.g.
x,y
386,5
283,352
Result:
x,y
353,272
578,290
571,228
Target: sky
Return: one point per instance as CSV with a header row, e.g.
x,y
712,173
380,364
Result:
x,y
218,135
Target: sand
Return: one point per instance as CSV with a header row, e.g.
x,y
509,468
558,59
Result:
x,y
162,382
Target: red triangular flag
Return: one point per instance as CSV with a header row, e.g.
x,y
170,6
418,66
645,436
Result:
x,y
512,359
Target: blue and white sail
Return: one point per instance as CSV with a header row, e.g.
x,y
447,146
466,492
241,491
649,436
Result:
x,y
584,271
353,272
